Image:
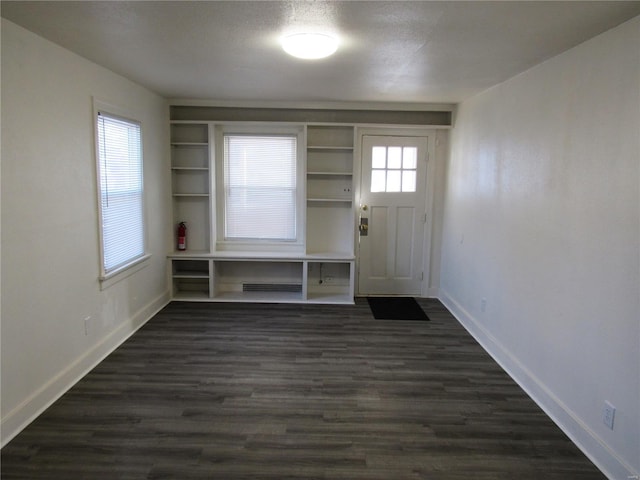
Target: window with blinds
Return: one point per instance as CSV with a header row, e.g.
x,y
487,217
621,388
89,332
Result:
x,y
120,192
260,187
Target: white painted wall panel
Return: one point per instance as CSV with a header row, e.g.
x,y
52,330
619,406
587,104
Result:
x,y
50,248
542,219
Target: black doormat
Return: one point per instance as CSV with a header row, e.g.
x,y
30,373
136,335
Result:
x,y
396,308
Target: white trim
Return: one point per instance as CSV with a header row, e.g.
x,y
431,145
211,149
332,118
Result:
x,y
427,244
124,271
262,123
410,131
265,256
397,106
25,413
588,441
432,292
218,213
129,116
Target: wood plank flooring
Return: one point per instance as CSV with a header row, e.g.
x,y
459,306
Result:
x,y
247,391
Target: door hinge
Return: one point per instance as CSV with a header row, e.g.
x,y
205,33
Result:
x,y
425,218
421,276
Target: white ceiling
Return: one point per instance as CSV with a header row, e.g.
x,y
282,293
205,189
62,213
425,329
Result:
x,y
392,51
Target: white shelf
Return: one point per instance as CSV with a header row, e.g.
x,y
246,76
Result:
x,y
246,255
320,256
190,275
190,254
330,200
191,296
194,169
330,256
337,174
259,297
330,148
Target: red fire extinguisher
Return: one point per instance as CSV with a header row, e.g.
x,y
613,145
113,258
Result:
x,y
182,236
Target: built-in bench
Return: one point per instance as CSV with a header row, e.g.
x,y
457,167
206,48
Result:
x,y
263,277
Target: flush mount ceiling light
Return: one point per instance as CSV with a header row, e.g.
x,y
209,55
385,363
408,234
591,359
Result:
x,y
310,46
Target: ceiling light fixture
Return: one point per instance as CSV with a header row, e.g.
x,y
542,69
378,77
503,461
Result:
x,y
310,46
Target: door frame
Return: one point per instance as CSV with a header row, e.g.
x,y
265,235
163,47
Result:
x,y
409,131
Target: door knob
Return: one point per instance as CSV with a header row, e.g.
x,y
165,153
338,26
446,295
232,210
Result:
x,y
364,207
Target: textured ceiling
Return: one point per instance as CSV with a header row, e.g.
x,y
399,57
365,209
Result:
x,y
409,52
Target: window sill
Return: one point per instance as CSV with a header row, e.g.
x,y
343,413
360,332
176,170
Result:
x,y
293,247
123,272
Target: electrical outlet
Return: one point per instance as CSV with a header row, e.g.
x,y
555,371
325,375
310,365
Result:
x,y
483,304
87,322
608,414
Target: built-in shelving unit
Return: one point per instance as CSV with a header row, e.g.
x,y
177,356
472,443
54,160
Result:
x,y
323,273
260,277
330,217
191,181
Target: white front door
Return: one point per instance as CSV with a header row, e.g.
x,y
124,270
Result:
x,y
392,215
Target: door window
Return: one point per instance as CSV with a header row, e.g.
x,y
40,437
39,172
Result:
x,y
393,169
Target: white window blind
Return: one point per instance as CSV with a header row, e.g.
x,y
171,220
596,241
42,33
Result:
x,y
260,187
121,191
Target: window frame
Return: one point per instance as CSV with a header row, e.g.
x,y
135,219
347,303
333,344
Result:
x,y
248,244
134,264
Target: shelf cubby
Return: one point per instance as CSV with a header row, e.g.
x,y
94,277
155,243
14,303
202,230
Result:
x,y
194,212
188,156
330,281
258,280
329,187
190,181
328,137
188,133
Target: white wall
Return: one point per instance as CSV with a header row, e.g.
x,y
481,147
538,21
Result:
x,y
50,246
541,219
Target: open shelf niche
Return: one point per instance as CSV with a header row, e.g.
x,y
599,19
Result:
x,y
190,181
330,217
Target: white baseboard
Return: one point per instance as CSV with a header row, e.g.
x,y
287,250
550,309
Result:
x,y
577,430
21,416
432,292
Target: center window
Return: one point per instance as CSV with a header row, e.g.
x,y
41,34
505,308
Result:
x,y
260,188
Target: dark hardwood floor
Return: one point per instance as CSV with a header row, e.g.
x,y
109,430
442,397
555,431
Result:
x,y
247,391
